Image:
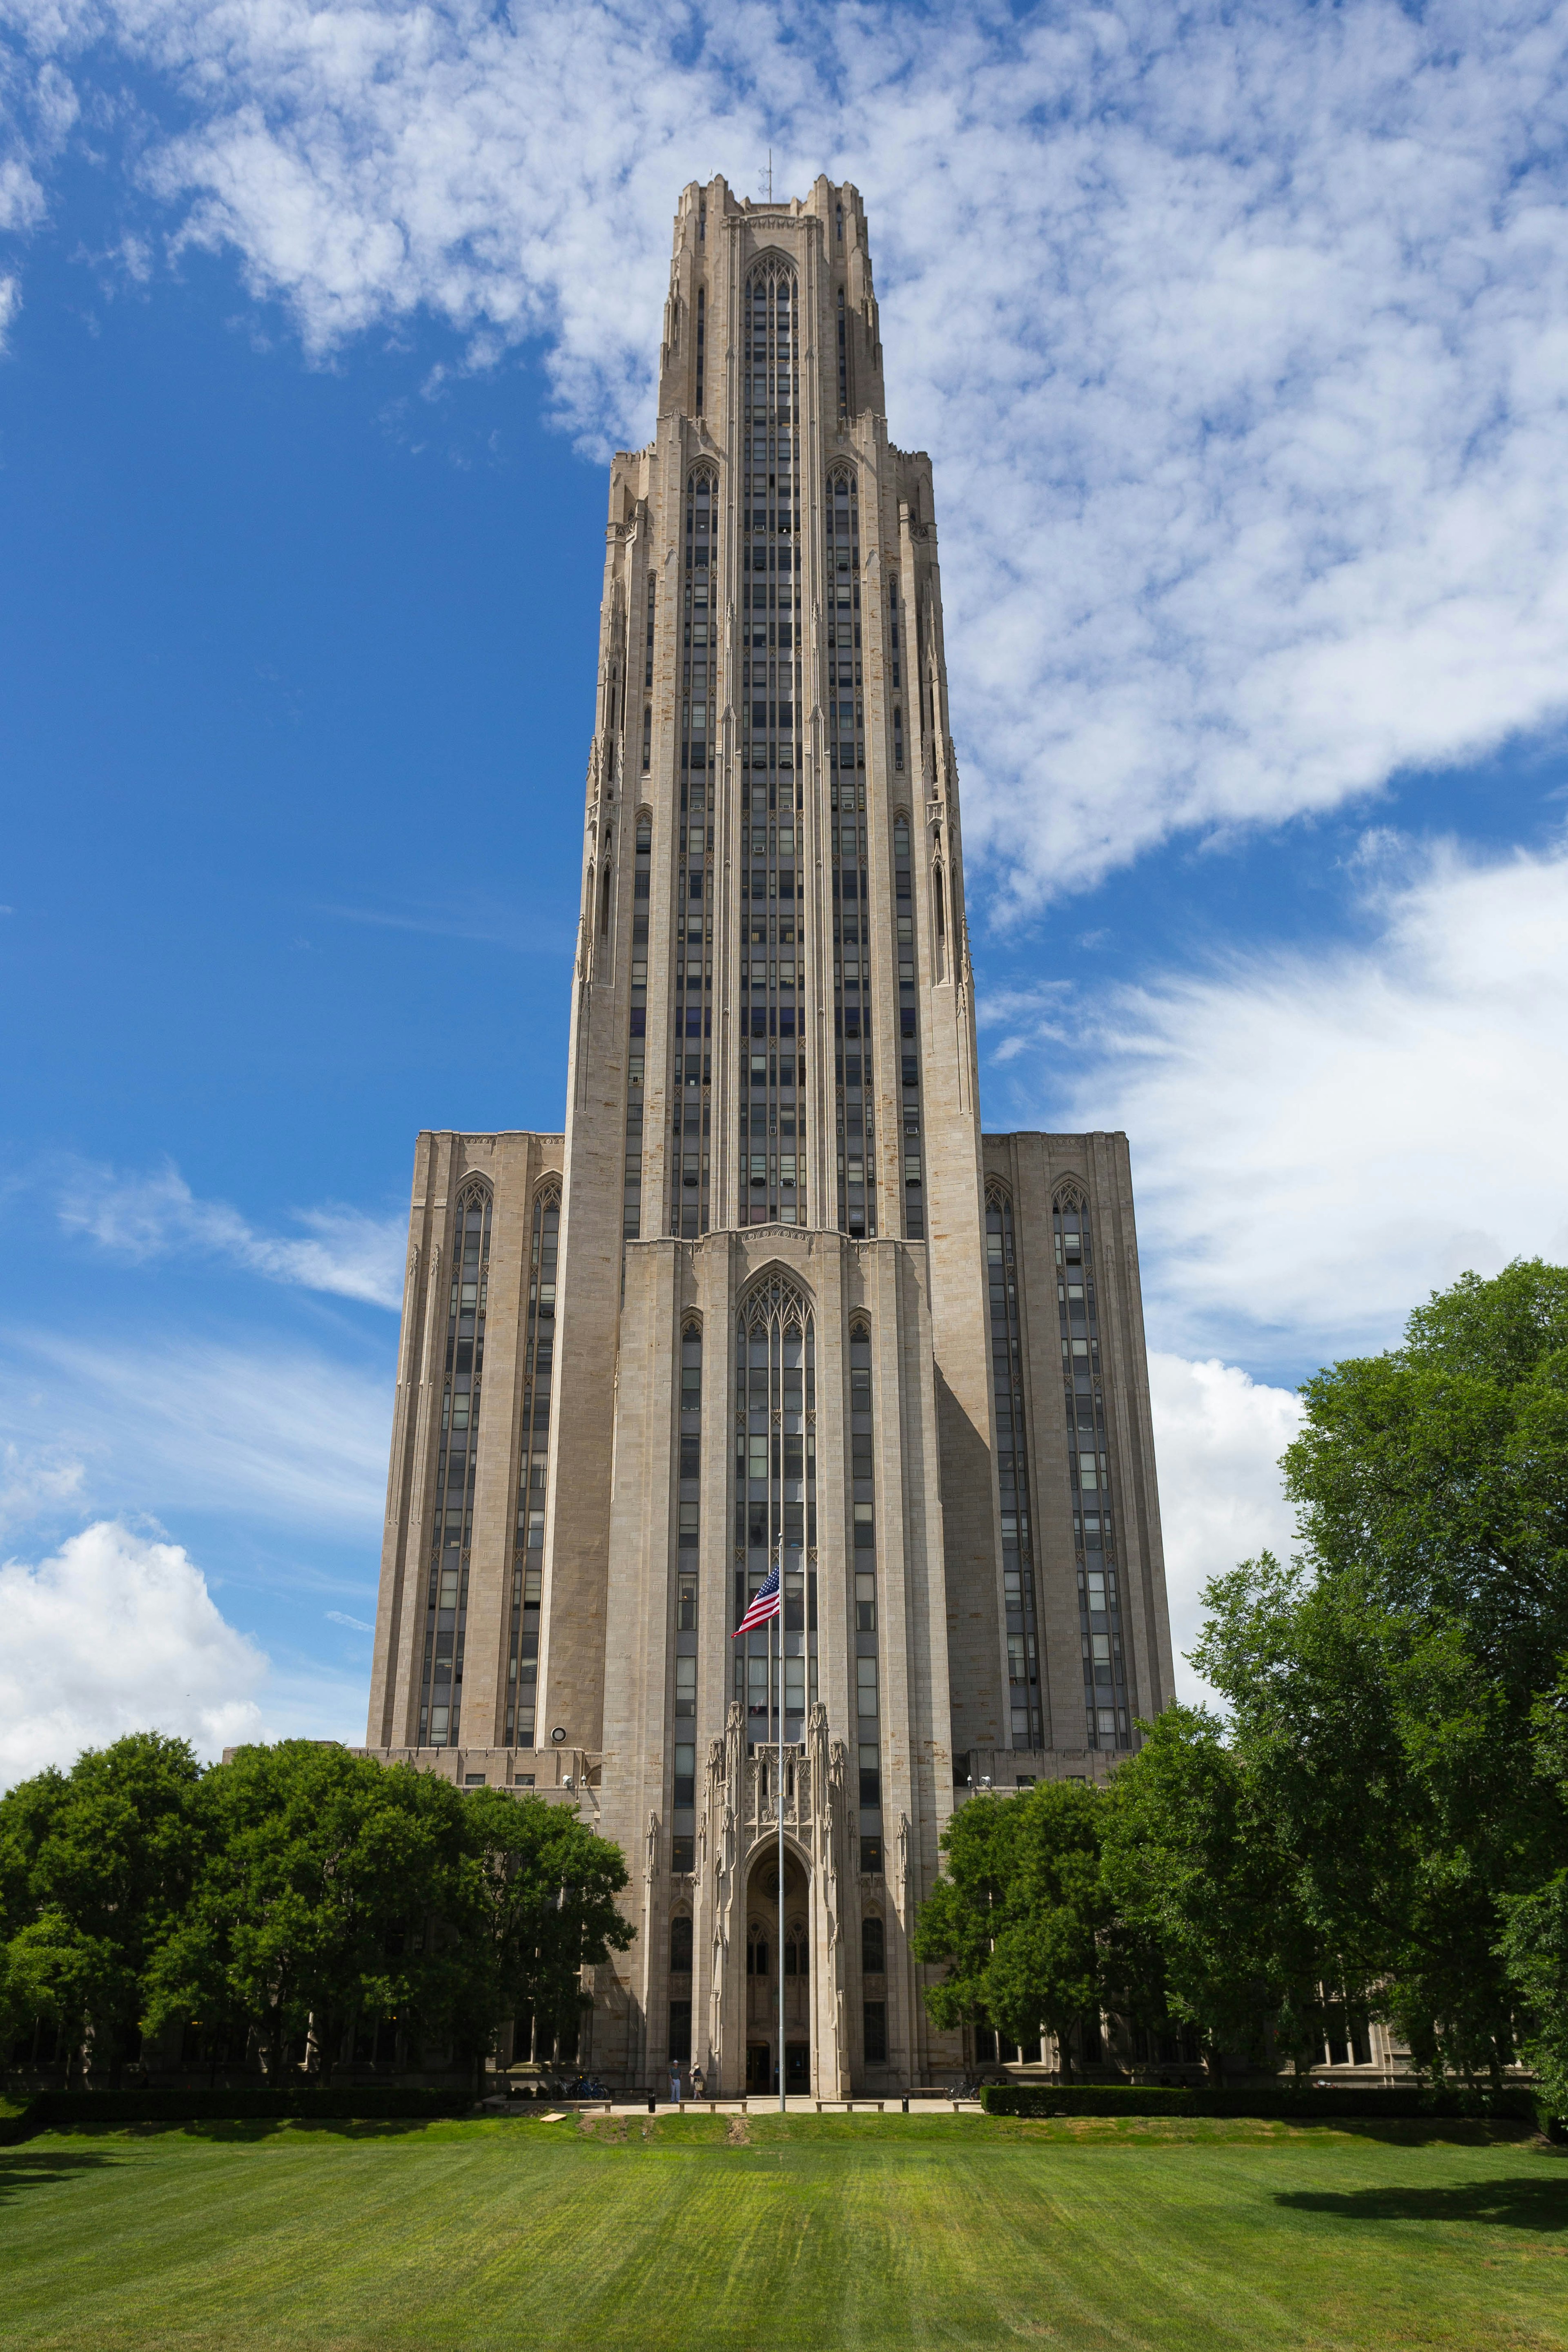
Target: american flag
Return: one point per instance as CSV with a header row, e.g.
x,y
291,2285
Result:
x,y
764,1605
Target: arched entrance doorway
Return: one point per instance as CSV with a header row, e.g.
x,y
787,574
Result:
x,y
773,1946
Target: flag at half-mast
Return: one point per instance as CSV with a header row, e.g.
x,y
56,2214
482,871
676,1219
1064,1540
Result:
x,y
764,1605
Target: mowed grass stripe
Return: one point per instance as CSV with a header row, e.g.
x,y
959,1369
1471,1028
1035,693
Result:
x,y
853,2231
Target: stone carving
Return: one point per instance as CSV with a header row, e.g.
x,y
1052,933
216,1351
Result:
x,y
651,1866
901,1867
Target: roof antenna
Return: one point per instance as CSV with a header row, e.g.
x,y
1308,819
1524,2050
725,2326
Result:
x,y
770,193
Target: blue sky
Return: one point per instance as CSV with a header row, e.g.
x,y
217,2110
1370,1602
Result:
x,y
1237,345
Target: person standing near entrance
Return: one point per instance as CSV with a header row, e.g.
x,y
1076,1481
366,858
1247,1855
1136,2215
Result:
x,y
698,2084
675,2081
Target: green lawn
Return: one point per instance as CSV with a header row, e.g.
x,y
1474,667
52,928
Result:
x,y
850,2230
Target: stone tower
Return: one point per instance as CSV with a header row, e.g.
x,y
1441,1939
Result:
x,y
773,1287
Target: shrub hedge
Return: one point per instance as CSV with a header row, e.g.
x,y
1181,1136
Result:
x,y
351,2102
1515,2103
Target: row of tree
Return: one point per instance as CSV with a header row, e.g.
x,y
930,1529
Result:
x,y
287,1898
1379,1824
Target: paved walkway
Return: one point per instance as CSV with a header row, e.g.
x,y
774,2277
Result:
x,y
918,2105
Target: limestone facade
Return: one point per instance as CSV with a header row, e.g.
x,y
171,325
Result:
x,y
772,1295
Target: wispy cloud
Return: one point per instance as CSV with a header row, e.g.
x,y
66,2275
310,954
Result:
x,y
288,1435
155,1215
354,1624
488,925
1321,1138
1236,335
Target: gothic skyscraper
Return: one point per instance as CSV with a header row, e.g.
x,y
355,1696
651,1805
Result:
x,y
773,1286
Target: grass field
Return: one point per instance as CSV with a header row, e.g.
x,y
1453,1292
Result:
x,y
708,2234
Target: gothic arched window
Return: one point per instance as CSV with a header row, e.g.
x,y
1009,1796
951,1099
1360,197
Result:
x,y
873,1949
451,1532
775,1495
532,1465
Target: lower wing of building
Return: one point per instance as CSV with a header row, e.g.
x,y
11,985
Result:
x,y
589,1482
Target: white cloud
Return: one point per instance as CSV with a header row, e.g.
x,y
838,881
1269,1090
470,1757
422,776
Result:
x,y
116,1633
1238,337
142,1217
1320,1139
354,1624
288,1434
1218,1437
36,1480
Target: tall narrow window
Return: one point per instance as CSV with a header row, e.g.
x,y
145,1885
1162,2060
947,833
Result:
x,y
776,1500
457,1462
689,1544
908,1034
863,1569
1013,1474
702,340
771,1157
1110,1701
532,1462
631,1204
692,1068
844,705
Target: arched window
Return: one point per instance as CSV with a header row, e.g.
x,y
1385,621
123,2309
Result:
x,y
873,1951
701,651
757,1949
533,1465
451,1531
796,1952
775,1495
681,1945
604,893
687,1559
867,1672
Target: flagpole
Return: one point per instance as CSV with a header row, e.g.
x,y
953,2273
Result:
x,y
780,1827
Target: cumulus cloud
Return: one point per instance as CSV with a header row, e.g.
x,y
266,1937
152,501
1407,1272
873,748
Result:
x,y
1218,1437
1239,336
1321,1138
147,1216
116,1632
290,1435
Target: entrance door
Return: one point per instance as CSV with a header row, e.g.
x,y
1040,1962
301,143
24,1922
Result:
x,y
759,2066
798,2066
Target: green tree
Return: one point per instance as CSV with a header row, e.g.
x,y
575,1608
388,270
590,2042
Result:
x,y
1381,1692
544,1906
330,1888
1021,1918
96,1868
1534,1941
1197,1870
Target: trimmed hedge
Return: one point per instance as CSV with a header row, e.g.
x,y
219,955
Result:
x,y
1514,2103
350,2103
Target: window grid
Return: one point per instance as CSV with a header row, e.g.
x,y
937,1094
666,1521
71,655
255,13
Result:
x,y
1108,1699
776,1500
1027,1722
642,866
911,1144
457,1460
689,1199
771,1188
532,1458
863,1567
844,703
689,1544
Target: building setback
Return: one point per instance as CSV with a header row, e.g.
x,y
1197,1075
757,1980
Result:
x,y
772,1289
